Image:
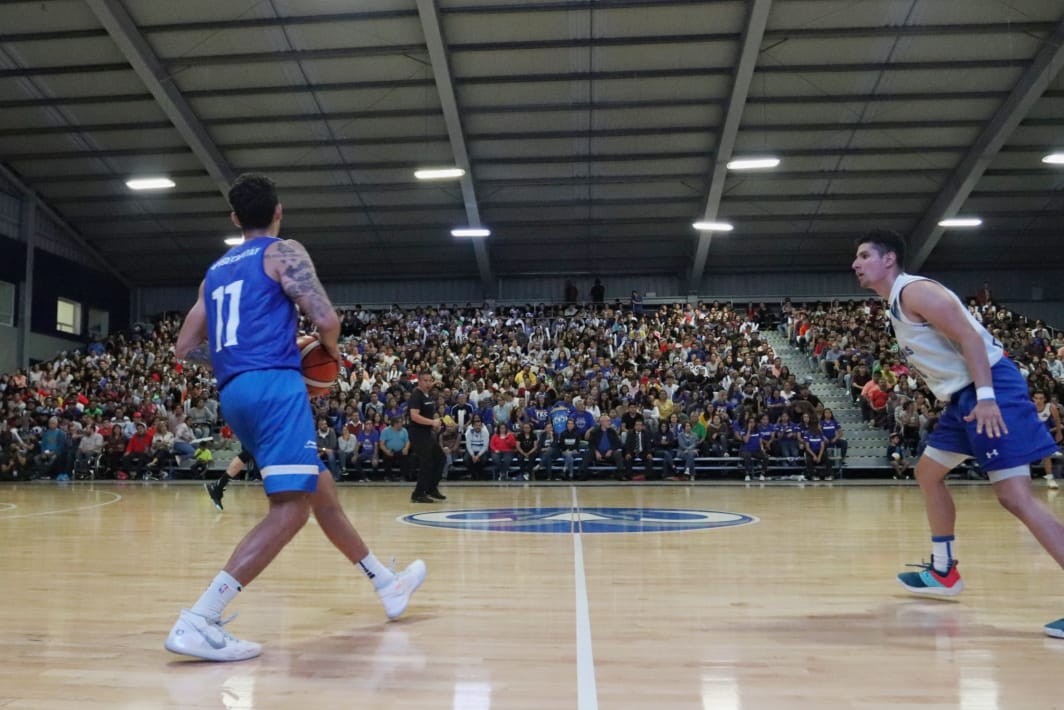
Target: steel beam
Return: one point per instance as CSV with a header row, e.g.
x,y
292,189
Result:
x,y
116,20
1034,81
756,22
441,71
28,195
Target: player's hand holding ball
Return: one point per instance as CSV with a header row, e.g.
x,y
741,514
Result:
x,y
320,367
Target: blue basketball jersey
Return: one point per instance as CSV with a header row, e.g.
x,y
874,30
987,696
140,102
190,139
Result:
x,y
251,322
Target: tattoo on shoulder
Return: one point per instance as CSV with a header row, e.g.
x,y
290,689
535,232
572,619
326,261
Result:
x,y
200,355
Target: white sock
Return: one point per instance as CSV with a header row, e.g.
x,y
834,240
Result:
x,y
221,591
378,574
942,552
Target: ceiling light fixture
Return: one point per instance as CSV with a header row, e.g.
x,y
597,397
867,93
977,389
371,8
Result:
x,y
234,241
954,222
439,173
753,163
154,183
1054,159
472,232
713,226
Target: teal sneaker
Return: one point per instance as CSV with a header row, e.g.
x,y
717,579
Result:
x,y
929,582
1055,629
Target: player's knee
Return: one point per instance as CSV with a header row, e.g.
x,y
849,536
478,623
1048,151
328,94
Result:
x,y
1014,495
290,511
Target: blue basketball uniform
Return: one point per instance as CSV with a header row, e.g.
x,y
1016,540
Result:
x,y
1027,440
251,330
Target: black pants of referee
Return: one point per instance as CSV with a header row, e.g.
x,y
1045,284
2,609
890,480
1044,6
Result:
x,y
430,460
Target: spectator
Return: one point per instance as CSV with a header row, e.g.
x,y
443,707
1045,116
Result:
x,y
817,459
604,446
503,445
897,458
527,448
327,447
394,447
137,453
477,446
639,447
598,292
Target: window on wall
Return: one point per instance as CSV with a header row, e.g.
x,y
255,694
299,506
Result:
x,y
7,303
99,324
68,316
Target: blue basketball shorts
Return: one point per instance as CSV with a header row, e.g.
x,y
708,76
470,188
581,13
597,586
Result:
x,y
1028,439
270,414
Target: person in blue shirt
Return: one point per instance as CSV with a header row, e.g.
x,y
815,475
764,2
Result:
x,y
787,440
583,419
243,324
833,433
752,449
537,413
817,459
366,454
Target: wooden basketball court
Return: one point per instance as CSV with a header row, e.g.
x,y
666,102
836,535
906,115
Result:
x,y
798,608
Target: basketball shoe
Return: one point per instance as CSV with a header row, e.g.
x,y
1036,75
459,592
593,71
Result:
x,y
930,582
215,493
1055,629
198,636
396,595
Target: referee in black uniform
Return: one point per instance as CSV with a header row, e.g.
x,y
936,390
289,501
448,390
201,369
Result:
x,y
424,423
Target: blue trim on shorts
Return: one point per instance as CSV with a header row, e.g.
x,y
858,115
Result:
x,y
1028,439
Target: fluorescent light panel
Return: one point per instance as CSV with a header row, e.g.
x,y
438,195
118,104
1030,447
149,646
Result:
x,y
154,183
439,173
472,232
1054,159
234,241
960,222
713,226
763,163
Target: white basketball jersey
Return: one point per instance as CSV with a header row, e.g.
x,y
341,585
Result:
x,y
932,354
1045,413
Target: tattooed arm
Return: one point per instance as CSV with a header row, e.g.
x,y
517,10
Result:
x,y
289,264
192,340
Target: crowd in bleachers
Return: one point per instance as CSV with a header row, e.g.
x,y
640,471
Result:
x,y
545,391
851,342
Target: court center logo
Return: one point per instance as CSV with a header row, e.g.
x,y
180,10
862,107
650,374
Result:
x,y
583,520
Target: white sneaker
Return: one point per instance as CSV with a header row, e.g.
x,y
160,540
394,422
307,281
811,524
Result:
x,y
195,635
747,477
397,595
1051,481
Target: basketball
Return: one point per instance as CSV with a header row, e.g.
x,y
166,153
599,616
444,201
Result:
x,y
320,370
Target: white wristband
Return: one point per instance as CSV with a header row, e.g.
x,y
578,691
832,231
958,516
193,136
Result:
x,y
984,393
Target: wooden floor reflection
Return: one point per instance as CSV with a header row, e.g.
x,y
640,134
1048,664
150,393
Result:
x,y
798,610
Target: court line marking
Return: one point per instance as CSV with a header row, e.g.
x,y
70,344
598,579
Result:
x,y
586,689
116,498
9,506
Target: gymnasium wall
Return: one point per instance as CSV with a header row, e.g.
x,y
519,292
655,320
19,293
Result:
x,y
59,271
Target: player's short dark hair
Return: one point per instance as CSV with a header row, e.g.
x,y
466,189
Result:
x,y
425,373
253,198
885,241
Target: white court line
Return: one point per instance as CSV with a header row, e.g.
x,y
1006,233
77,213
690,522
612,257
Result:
x,y
116,498
8,506
586,689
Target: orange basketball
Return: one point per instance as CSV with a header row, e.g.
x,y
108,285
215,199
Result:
x,y
320,370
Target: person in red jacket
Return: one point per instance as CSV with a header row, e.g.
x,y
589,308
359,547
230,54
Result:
x,y
503,444
138,450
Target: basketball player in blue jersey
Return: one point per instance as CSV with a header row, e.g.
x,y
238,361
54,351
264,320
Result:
x,y
989,415
246,313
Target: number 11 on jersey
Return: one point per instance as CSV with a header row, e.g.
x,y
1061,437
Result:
x,y
226,321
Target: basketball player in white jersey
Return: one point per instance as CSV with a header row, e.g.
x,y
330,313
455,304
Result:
x,y
989,414
1049,414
